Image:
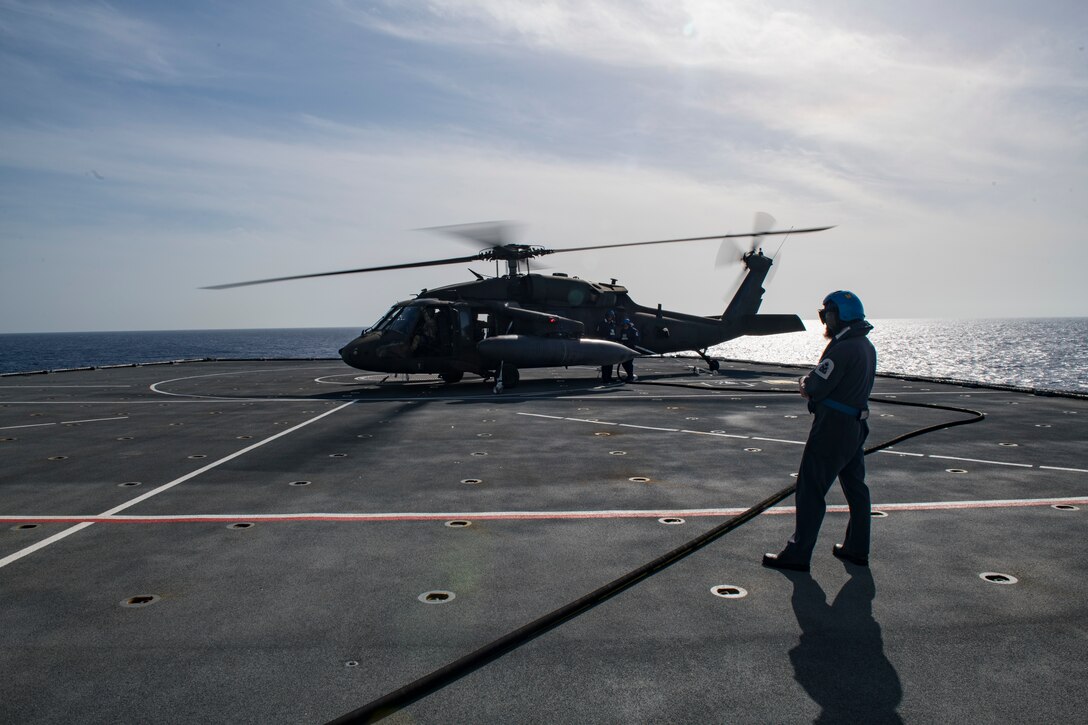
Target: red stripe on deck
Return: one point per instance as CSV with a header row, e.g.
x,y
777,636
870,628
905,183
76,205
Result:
x,y
522,515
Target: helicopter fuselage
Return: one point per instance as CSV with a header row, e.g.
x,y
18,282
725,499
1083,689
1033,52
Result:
x,y
493,326
532,320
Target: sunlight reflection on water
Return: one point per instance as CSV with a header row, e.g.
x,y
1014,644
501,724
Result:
x,y
1049,353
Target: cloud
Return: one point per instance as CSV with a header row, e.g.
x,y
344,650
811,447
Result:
x,y
135,159
95,38
908,111
208,208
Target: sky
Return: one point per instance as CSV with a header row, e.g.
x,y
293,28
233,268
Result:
x,y
148,149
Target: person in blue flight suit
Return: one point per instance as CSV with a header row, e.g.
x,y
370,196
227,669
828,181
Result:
x,y
607,330
837,391
629,336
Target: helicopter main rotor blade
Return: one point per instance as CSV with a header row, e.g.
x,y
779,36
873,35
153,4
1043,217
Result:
x,y
478,232
692,239
490,234
431,263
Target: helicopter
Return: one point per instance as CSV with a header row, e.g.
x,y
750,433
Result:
x,y
494,326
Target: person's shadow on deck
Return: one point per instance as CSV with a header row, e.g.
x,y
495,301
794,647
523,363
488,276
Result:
x,y
839,659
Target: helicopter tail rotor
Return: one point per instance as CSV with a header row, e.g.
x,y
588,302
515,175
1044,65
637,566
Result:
x,y
730,252
761,225
776,258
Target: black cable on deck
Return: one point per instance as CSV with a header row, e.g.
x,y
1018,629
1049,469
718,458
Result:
x,y
394,701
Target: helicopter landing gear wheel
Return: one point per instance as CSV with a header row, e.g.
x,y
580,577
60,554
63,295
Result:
x,y
510,376
710,362
507,377
452,377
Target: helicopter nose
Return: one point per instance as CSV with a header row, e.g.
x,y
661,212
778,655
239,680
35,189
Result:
x,y
349,351
359,349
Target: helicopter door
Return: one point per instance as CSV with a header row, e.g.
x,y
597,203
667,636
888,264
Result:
x,y
465,329
439,332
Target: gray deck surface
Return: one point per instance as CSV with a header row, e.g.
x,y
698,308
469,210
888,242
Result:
x,y
314,609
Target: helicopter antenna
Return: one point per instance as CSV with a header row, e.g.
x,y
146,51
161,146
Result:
x,y
781,244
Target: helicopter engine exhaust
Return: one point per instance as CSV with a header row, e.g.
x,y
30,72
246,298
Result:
x,y
528,351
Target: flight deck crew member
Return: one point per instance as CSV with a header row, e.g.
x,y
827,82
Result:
x,y
837,391
630,337
606,330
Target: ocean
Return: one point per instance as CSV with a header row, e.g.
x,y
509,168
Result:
x,y
1042,354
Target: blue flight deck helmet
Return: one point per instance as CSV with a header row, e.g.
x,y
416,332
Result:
x,y
848,305
611,314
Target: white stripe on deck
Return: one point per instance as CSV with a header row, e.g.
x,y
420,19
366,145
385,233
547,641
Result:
x,y
721,434
65,422
42,387
165,487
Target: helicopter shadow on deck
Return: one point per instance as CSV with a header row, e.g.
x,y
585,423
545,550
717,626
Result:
x,y
757,375
460,393
483,391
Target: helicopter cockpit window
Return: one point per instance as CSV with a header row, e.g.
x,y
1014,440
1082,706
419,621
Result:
x,y
385,320
406,321
399,319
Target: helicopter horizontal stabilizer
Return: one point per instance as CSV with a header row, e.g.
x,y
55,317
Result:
x,y
770,324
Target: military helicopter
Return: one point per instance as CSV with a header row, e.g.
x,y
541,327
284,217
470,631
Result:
x,y
493,326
